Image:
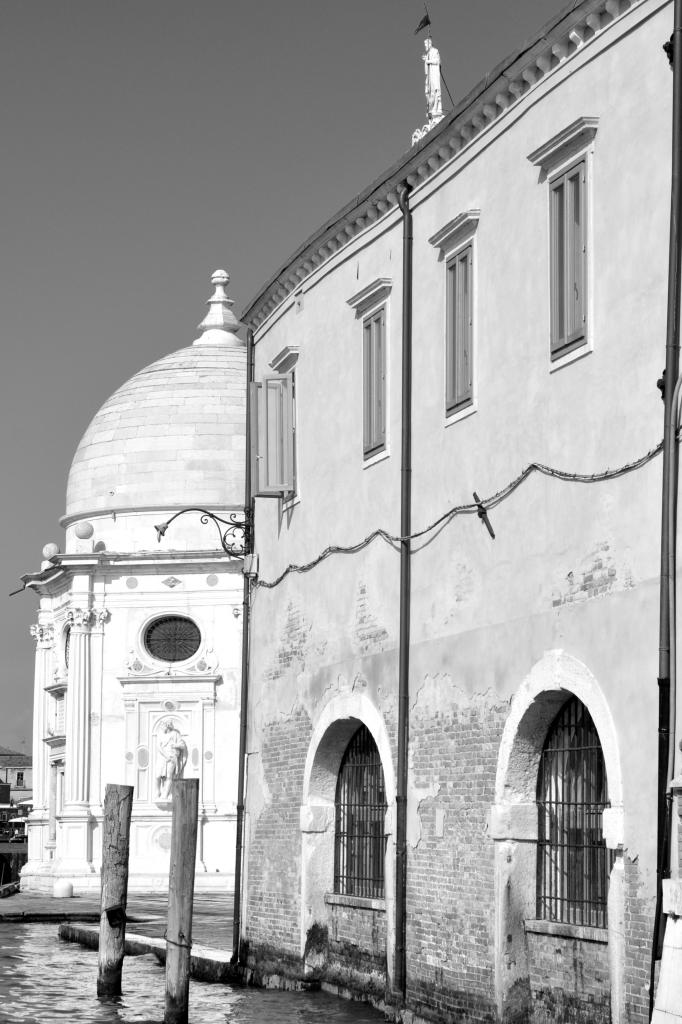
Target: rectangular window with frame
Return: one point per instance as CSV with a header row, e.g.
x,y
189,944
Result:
x,y
374,383
568,260
20,779
459,332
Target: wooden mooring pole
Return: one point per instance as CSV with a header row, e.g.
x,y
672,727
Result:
x,y
180,899
118,804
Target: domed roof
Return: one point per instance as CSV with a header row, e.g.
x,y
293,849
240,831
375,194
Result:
x,y
174,434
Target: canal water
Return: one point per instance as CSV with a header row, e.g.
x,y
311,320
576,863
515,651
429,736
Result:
x,y
44,980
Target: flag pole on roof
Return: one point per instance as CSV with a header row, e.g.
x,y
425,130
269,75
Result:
x,y
424,23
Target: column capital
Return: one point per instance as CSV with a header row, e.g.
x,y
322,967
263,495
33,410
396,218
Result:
x,y
80,618
101,615
42,634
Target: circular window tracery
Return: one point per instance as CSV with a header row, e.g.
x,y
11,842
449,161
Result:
x,y
172,638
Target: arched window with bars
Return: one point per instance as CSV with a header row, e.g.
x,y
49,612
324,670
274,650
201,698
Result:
x,y
573,861
359,840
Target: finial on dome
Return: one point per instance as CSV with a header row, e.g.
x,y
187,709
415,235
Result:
x,y
220,325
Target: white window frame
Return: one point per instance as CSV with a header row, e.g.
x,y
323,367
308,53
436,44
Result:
x,y
458,235
557,158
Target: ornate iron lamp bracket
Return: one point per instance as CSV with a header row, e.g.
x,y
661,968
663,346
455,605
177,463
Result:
x,y
235,532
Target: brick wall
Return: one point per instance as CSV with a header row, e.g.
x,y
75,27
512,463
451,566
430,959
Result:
x,y
569,980
450,932
274,871
639,929
357,948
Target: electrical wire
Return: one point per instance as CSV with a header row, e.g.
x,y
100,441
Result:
x,y
472,508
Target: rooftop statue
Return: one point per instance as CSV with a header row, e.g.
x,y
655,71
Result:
x,y
432,89
434,105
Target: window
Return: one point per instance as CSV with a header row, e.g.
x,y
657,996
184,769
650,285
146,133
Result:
x,y
172,638
370,305
272,436
568,256
374,383
455,245
20,779
573,861
360,811
59,715
458,346
564,161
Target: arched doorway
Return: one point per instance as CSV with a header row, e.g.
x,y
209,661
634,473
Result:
x,y
557,826
347,847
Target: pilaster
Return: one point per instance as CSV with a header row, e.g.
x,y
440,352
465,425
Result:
x,y
80,621
43,634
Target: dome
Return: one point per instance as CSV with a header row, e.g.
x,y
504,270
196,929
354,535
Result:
x,y
174,434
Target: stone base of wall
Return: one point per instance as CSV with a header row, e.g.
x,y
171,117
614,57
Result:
x,y
569,980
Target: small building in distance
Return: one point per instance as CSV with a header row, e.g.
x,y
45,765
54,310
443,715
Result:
x,y
16,769
503,685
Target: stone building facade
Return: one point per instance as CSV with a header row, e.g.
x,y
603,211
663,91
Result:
x,y
138,642
538,282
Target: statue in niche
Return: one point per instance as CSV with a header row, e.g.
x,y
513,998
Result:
x,y
434,103
171,759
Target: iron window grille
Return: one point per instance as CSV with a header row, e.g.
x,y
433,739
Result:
x,y
359,840
573,862
172,638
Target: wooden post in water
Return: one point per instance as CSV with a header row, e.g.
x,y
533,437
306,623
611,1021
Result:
x,y
118,803
180,899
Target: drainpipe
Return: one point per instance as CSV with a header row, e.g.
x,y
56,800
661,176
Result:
x,y
666,662
244,699
404,639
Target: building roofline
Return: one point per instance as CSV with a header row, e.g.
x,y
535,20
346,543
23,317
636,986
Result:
x,y
501,88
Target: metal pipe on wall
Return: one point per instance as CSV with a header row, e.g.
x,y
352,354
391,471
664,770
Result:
x,y
404,639
246,620
666,662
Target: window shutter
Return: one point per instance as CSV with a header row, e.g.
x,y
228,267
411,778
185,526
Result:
x,y
459,339
568,256
272,436
380,379
557,259
366,387
374,383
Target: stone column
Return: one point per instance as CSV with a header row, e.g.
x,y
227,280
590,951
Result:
x,y
78,709
44,637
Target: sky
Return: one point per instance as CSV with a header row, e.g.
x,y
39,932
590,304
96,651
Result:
x,y
146,143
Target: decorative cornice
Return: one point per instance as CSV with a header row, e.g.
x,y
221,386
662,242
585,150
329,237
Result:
x,y
57,687
578,135
370,295
285,360
496,94
43,635
456,231
140,667
58,740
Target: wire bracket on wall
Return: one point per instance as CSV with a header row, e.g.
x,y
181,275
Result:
x,y
483,515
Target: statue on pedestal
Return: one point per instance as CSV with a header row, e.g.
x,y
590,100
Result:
x,y
171,759
434,104
432,89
